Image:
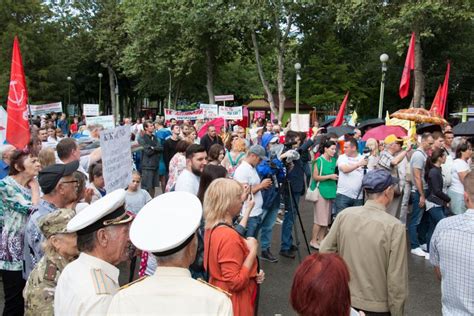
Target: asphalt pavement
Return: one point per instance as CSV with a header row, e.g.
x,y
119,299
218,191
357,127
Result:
x,y
424,289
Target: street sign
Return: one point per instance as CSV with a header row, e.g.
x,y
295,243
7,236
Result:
x,y
227,97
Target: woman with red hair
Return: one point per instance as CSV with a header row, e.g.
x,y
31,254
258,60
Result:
x,y
321,287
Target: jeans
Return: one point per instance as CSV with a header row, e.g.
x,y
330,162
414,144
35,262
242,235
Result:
x,y
342,202
436,214
415,219
307,172
253,225
288,221
268,220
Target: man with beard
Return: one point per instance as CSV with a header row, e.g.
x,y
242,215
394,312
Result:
x,y
86,286
196,160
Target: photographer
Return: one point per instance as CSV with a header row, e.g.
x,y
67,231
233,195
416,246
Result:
x,y
292,194
275,170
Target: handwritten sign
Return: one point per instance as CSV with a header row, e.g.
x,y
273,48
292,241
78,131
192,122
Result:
x,y
40,109
231,113
90,109
183,115
116,157
210,110
299,122
107,121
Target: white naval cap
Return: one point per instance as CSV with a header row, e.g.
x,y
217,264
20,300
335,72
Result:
x,y
167,223
109,210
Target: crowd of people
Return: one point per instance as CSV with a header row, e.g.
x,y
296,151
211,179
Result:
x,y
204,208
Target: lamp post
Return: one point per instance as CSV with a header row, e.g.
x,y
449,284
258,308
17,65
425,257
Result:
x,y
298,78
383,60
169,89
69,89
100,86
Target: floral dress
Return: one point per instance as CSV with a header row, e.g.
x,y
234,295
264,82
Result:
x,y
15,206
177,165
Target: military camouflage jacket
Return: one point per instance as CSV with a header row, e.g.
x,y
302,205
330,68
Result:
x,y
41,285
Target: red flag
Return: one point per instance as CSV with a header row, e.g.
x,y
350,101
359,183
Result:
x,y
409,66
18,131
340,115
444,91
217,123
436,105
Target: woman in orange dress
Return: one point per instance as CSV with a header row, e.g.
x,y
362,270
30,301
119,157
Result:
x,y
230,259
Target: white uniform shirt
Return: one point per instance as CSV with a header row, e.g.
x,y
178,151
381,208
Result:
x,y
170,291
187,182
86,287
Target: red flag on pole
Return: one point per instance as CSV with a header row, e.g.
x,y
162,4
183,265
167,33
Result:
x,y
409,66
340,115
18,131
436,105
444,91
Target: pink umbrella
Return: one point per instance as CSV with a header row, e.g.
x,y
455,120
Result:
x,y
217,123
382,131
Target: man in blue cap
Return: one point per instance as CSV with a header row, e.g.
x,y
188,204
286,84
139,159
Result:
x,y
373,244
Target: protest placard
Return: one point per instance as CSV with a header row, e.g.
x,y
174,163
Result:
x,y
116,157
299,122
90,109
231,113
210,110
107,121
183,115
40,109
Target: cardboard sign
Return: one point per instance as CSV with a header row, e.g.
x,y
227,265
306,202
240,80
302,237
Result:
x,y
116,157
183,115
90,109
299,122
210,110
40,109
231,113
107,121
227,97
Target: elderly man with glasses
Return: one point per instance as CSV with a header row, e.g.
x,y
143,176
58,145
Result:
x,y
59,187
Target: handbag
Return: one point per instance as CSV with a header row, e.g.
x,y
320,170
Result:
x,y
313,195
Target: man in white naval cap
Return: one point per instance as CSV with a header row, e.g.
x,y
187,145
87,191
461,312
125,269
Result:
x,y
167,227
86,285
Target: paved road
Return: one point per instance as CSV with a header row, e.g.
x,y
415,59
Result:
x,y
425,295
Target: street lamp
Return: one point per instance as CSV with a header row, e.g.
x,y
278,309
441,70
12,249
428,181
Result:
x,y
383,60
69,89
100,86
298,78
169,89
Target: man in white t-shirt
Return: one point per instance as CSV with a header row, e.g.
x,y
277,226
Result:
x,y
196,160
459,170
247,175
351,172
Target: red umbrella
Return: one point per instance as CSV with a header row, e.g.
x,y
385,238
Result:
x,y
217,123
380,132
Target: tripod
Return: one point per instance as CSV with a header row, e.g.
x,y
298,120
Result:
x,y
296,212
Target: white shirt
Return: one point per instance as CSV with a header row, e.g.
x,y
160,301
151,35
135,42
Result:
x,y
170,291
246,174
187,182
349,183
459,165
86,287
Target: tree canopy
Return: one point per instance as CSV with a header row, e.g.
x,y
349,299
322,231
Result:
x,y
193,50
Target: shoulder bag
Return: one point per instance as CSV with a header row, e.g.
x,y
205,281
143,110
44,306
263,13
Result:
x,y
313,195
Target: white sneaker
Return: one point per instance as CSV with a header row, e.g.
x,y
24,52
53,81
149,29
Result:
x,y
418,252
424,247
427,256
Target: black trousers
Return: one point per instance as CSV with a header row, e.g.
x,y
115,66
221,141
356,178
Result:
x,y
13,285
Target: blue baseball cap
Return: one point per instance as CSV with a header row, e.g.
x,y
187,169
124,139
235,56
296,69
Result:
x,y
377,180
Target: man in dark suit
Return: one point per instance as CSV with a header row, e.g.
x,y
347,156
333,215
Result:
x,y
151,157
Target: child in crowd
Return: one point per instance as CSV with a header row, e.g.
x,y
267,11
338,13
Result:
x,y
136,197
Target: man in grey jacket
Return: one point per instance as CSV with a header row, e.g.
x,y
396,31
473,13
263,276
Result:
x,y
150,158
